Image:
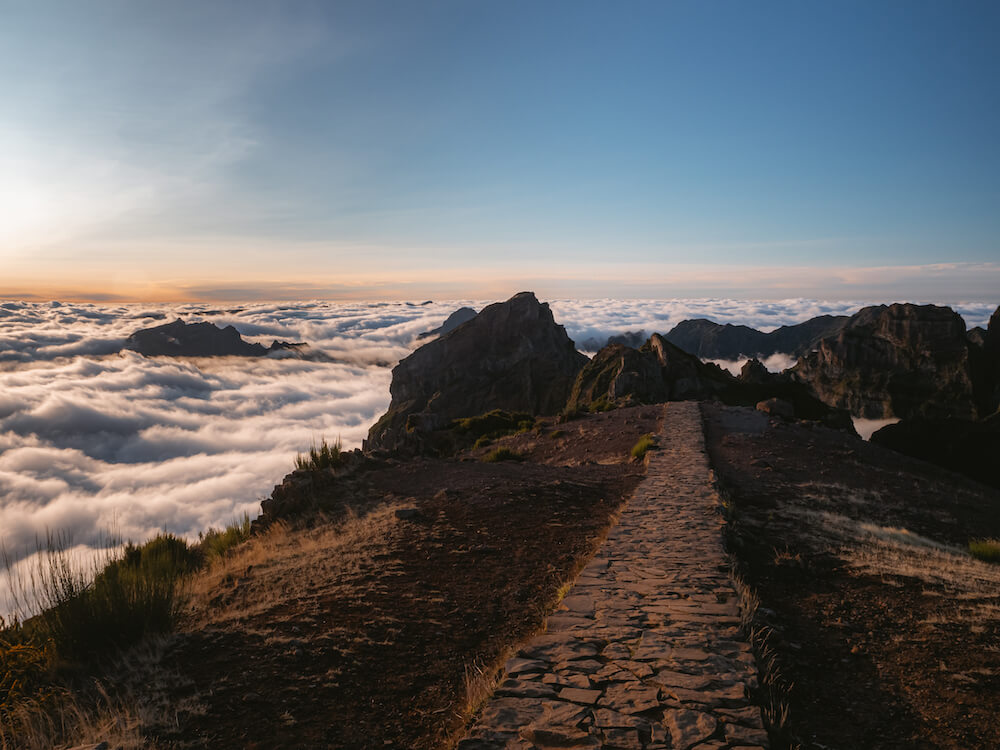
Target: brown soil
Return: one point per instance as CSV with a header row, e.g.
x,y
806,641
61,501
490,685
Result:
x,y
373,632
887,640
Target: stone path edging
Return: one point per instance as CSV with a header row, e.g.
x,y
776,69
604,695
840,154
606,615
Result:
x,y
645,652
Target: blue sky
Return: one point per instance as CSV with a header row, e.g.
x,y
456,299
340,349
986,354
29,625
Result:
x,y
378,149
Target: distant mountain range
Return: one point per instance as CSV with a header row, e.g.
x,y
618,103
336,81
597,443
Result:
x,y
710,340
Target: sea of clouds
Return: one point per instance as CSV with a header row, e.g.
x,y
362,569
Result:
x,y
95,438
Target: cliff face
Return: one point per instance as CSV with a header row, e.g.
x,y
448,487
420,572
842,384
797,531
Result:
x,y
511,356
710,340
898,361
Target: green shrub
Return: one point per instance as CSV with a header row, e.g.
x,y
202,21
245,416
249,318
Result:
x,y
987,550
645,443
502,454
482,441
601,404
494,423
215,543
86,611
556,434
325,457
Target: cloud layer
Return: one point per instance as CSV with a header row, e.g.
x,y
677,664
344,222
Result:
x,y
94,438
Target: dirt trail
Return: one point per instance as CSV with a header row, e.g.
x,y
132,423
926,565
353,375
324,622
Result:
x,y
645,651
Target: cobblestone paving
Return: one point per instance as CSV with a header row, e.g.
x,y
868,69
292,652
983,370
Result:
x,y
645,651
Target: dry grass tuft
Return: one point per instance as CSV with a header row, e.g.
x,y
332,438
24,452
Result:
x,y
67,719
502,453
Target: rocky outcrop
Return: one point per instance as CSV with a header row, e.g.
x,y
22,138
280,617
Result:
x,y
900,360
969,448
617,373
511,356
754,372
453,321
180,339
331,490
710,340
659,371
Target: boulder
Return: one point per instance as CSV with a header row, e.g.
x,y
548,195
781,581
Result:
x,y
900,360
180,339
511,356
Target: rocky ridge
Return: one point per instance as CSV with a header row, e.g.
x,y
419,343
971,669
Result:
x,y
660,371
511,356
709,340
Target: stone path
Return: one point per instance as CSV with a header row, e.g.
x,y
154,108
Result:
x,y
645,651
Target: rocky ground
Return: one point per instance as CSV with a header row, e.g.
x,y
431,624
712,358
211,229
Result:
x,y
379,631
888,633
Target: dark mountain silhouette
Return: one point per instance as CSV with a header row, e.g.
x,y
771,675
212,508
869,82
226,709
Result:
x,y
180,339
709,340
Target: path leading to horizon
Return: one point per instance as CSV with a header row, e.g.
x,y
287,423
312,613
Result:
x,y
645,651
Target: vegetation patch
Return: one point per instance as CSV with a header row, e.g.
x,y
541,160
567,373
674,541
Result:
x,y
326,456
987,550
25,669
87,612
216,543
494,424
644,444
601,404
502,454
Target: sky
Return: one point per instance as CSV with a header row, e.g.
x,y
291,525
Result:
x,y
253,150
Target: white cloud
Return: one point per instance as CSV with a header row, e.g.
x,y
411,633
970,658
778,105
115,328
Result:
x,y
93,441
